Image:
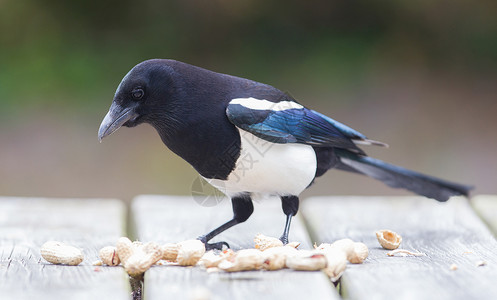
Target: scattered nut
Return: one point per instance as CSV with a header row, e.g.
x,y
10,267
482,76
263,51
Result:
x,y
356,252
143,257
275,258
60,253
125,249
388,239
306,260
263,242
211,259
347,245
336,263
270,254
109,256
360,253
453,267
136,257
190,252
169,251
244,260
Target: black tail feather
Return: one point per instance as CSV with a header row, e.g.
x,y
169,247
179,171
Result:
x,y
398,177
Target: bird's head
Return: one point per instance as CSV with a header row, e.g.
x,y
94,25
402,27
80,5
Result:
x,y
142,92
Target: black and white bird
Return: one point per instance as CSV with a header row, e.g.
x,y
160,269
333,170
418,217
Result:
x,y
249,139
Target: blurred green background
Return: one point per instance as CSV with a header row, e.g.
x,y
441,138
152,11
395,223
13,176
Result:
x,y
418,75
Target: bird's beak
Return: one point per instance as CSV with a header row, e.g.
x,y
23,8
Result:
x,y
114,119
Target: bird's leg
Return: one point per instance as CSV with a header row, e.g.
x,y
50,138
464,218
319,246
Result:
x,y
242,209
290,205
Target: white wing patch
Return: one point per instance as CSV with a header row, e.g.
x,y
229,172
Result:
x,y
259,104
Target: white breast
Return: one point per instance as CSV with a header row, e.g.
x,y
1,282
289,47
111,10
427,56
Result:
x,y
265,168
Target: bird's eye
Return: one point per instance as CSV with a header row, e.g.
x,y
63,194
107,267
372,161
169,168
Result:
x,y
137,93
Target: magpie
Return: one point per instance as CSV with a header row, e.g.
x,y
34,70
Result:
x,y
249,139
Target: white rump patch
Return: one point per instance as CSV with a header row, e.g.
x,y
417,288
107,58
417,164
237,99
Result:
x,y
259,104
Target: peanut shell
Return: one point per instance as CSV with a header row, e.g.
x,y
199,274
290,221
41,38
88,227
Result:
x,y
263,242
59,253
211,259
109,256
143,257
388,239
125,248
275,258
306,260
244,260
190,252
336,263
169,251
359,254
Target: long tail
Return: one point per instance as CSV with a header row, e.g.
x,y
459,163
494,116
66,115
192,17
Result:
x,y
398,177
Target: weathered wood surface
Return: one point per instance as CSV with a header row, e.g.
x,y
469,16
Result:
x,y
172,219
486,207
449,233
27,223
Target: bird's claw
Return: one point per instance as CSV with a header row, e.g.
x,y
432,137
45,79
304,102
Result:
x,y
216,246
213,246
284,239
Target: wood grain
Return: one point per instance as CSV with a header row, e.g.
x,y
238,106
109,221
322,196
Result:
x,y
449,233
486,207
26,223
172,219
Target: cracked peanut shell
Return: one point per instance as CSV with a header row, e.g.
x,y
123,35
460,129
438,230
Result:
x,y
388,239
108,255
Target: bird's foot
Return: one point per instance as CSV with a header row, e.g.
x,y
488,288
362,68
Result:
x,y
284,239
213,246
216,246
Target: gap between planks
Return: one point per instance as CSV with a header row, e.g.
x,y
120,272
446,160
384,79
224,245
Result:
x,y
89,224
449,233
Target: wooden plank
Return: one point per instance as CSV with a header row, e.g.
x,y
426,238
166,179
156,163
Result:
x,y
174,218
449,233
27,223
486,207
